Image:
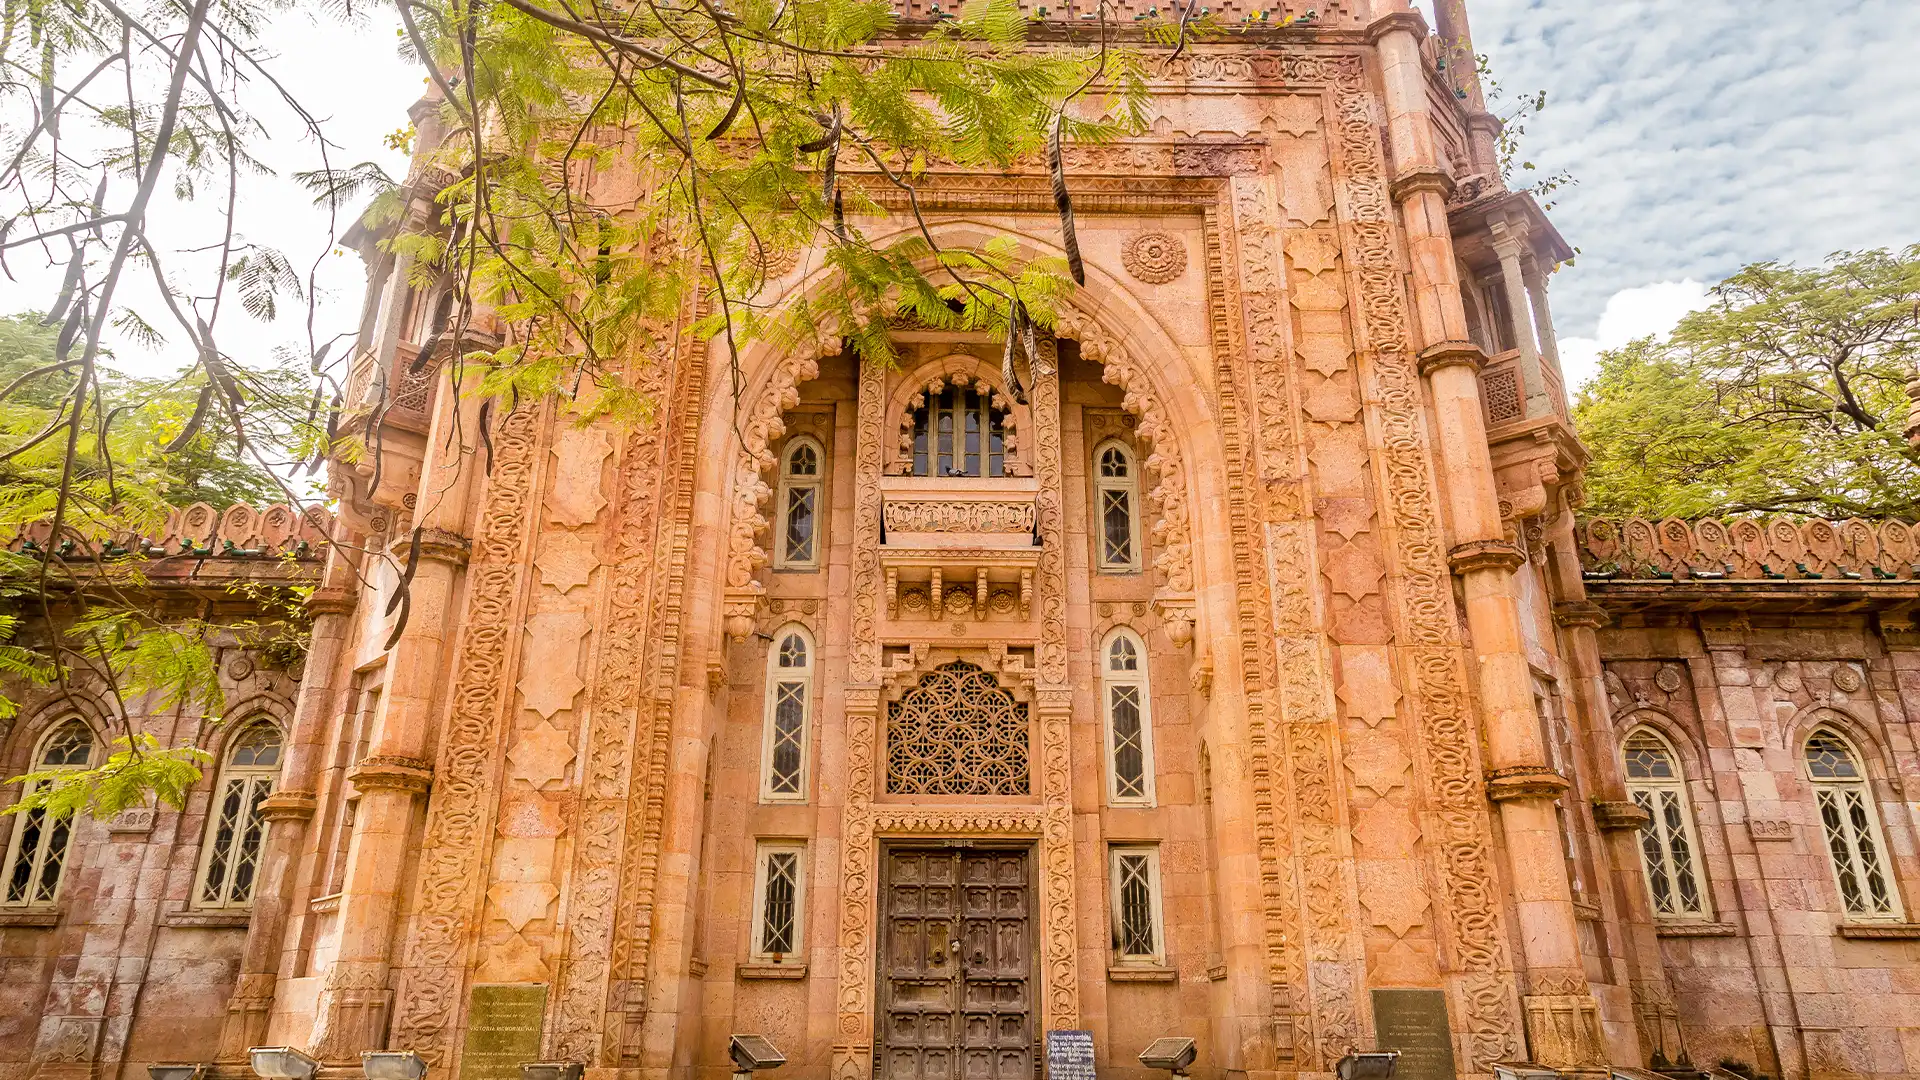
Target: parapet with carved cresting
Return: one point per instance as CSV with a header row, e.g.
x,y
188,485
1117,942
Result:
x,y
1756,549
240,531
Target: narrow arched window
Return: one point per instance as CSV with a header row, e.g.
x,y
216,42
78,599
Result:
x,y
230,855
1851,826
1116,486
789,707
1669,852
38,851
802,470
960,430
1128,720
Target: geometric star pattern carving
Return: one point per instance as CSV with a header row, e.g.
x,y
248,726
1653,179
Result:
x,y
1312,253
541,756
1366,684
1354,571
1377,765
1325,354
1394,896
575,497
521,902
1385,831
551,678
566,562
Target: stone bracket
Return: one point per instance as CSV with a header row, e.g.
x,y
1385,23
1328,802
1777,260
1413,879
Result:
x,y
1475,555
1176,613
1620,815
1525,782
392,772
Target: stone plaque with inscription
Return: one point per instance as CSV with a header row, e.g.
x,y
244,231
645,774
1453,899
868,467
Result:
x,y
503,1030
1070,1055
1414,1022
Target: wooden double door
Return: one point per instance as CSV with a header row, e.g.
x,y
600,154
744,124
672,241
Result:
x,y
956,993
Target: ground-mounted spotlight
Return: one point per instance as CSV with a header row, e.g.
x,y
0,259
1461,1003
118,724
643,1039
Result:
x,y
1367,1065
1523,1070
177,1070
751,1053
551,1070
393,1065
1174,1054
282,1063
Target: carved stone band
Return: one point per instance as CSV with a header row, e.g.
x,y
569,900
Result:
x,y
1621,815
288,806
393,773
959,517
1525,782
1452,354
1484,555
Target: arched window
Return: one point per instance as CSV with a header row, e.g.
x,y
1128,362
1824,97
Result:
x,y
1851,826
789,707
1116,484
1128,721
1668,849
802,469
40,841
960,431
230,855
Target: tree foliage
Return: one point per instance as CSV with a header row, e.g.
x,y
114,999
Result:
x,y
1787,395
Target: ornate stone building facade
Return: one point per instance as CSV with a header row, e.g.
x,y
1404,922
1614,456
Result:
x,y
1251,680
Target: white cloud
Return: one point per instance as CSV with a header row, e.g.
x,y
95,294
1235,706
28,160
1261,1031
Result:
x,y
1643,311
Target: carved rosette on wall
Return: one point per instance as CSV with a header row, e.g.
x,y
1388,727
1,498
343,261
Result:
x,y
1154,257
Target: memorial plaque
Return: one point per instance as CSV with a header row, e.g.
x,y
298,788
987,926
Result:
x,y
1414,1022
503,1030
1070,1055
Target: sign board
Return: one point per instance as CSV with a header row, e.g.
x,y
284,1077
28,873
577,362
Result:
x,y
503,1030
1414,1022
1070,1055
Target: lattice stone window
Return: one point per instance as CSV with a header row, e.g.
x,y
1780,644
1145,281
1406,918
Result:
x,y
779,885
957,733
1129,728
1851,826
802,469
1116,485
789,708
1138,933
230,857
38,850
1668,847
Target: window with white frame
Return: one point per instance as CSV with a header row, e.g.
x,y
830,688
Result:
x,y
779,896
802,471
1138,931
38,851
1128,720
789,710
1668,849
1851,826
230,855
1116,499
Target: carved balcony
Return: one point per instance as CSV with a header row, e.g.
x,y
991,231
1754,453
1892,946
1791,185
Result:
x,y
958,550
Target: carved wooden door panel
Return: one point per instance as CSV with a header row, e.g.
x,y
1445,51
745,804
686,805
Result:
x,y
956,964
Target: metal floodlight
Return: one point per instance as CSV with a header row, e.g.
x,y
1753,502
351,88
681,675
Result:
x,y
1171,1053
282,1063
1367,1065
392,1065
751,1053
551,1070
1523,1070
177,1071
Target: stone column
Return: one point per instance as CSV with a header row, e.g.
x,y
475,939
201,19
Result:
x,y
323,693
355,997
1456,44
1618,817
1536,282
1509,244
1562,1019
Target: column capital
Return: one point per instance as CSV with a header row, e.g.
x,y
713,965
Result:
x,y
1573,613
1609,814
444,545
288,805
331,600
1524,782
1419,179
392,772
1477,555
1410,21
1447,354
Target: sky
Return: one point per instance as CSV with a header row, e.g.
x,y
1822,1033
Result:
x,y
1703,135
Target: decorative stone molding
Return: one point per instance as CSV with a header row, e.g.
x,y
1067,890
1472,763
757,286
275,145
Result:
x,y
1879,931
1177,615
1476,555
1768,828
1142,974
930,516
770,971
1154,257
1563,1030
392,772
1749,549
1525,782
1676,928
1620,815
134,820
288,805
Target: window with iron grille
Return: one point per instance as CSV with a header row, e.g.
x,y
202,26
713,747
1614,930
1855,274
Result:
x,y
1135,886
41,841
1129,728
960,430
789,707
778,915
802,470
236,833
1669,852
1116,484
1851,827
